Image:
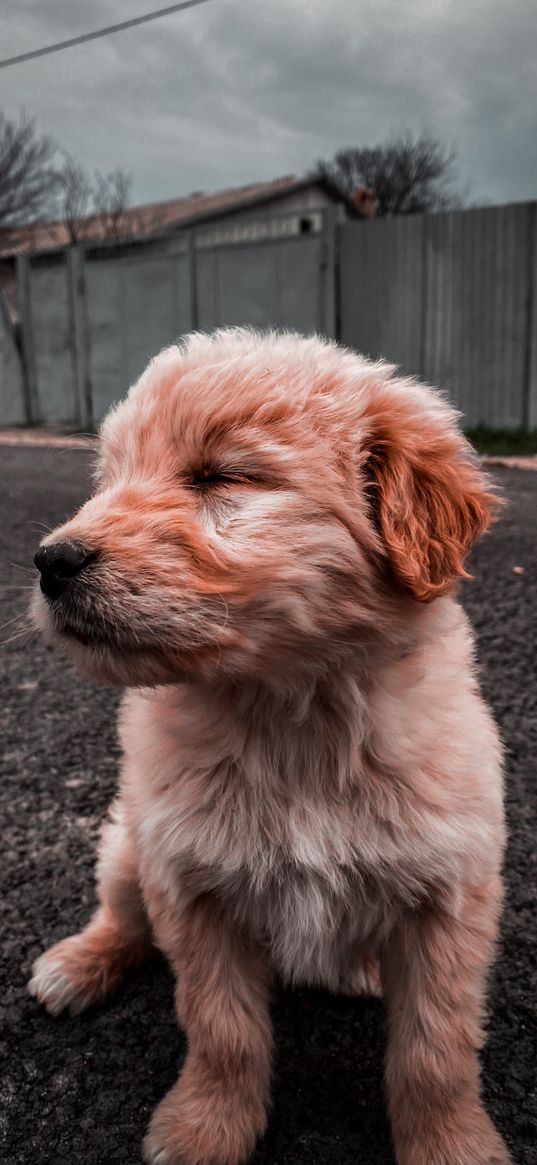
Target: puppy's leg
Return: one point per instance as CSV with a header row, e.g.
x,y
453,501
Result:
x,y
217,1109
85,968
433,976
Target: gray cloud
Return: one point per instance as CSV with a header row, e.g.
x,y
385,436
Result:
x,y
241,90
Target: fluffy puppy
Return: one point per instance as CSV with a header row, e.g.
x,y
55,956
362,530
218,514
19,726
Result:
x,y
311,785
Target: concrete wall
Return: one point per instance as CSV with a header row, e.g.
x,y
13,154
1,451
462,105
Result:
x,y
452,299
266,284
12,399
134,307
94,316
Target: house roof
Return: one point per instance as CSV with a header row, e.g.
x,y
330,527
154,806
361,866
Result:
x,y
161,217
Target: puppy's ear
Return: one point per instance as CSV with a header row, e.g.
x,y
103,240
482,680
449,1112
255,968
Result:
x,y
429,496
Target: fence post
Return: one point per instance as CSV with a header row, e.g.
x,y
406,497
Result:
x,y
329,312
79,334
193,281
31,396
13,405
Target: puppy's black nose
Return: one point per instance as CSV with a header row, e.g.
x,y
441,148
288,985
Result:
x,y
58,564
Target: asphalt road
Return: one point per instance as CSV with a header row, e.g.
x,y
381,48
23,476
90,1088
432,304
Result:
x,y
81,1090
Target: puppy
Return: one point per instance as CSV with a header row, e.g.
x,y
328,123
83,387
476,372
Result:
x,y
311,786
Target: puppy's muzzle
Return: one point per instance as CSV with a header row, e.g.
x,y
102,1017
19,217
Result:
x,y
59,564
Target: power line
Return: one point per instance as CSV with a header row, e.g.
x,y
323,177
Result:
x,y
67,44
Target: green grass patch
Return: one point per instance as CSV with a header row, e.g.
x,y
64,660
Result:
x,y
503,442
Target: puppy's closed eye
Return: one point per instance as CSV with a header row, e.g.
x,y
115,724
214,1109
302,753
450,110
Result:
x,y
213,477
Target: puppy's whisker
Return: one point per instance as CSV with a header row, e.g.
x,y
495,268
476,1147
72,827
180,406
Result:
x,y
19,566
15,619
18,635
15,587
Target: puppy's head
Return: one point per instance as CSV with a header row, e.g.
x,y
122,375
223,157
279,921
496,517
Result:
x,y
264,504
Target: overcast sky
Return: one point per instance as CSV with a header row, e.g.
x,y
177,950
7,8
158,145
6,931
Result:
x,y
240,90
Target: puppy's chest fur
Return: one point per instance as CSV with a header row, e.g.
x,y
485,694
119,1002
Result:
x,y
311,861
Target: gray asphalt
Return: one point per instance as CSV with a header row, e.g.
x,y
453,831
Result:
x,y
81,1090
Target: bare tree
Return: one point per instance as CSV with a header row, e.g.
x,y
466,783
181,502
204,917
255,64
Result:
x,y
406,174
111,195
74,197
45,188
85,199
28,175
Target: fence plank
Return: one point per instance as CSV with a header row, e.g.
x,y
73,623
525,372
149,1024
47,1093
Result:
x,y
381,299
49,311
135,306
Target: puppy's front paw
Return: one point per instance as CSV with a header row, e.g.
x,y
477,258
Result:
x,y
52,985
476,1143
189,1128
72,975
